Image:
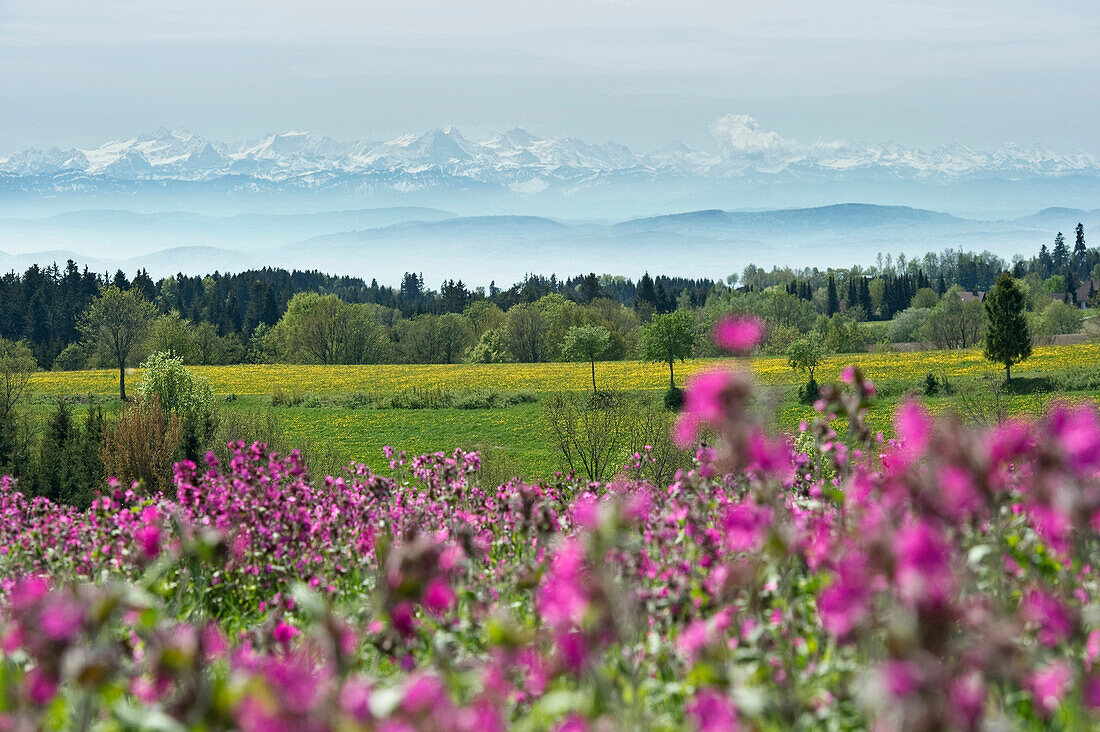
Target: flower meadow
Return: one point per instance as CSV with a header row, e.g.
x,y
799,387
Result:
x,y
942,579
262,379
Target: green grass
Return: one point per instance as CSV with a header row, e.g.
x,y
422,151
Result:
x,y
342,409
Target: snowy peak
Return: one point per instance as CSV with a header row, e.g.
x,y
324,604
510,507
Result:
x,y
528,164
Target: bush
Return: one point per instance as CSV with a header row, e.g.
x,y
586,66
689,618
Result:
x,y
281,397
183,394
140,443
908,325
73,357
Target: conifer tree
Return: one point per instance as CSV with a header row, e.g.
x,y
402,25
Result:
x,y
1060,254
1080,251
832,300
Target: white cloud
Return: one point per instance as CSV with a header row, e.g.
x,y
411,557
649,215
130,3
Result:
x,y
740,134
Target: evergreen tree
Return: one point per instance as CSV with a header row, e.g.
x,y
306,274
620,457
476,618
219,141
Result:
x,y
1060,254
1045,262
120,280
1071,287
832,300
590,288
865,296
144,284
1007,338
645,294
54,459
1080,252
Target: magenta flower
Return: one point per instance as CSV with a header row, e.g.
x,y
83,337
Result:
x,y
902,678
573,647
967,699
1050,684
1077,432
562,600
704,403
39,687
843,605
693,638
713,712
913,426
438,597
746,526
923,571
355,700
62,618
421,693
284,633
1053,620
738,333
573,723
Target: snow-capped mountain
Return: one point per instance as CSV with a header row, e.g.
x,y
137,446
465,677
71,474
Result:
x,y
523,162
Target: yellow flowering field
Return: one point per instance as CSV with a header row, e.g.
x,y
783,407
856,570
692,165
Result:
x,y
263,379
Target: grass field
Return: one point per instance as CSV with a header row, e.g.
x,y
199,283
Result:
x,y
514,434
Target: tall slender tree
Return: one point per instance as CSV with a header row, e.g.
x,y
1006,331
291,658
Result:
x,y
1007,338
1060,254
832,300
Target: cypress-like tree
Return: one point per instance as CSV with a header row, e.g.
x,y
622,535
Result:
x,y
832,300
1007,339
865,296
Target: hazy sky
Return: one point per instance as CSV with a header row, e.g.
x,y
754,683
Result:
x,y
642,72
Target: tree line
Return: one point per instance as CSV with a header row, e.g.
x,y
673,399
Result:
x,y
72,319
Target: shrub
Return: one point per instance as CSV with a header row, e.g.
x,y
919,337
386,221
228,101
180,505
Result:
x,y
182,394
140,443
281,397
73,357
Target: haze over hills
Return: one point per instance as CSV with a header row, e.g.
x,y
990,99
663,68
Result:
x,y
384,243
518,172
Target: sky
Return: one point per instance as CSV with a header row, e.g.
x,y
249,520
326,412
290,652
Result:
x,y
641,72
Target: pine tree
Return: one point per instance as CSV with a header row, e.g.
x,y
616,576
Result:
x,y
1007,339
1046,264
1060,254
54,455
1080,252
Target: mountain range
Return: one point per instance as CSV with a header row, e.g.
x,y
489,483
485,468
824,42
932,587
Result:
x,y
385,243
517,171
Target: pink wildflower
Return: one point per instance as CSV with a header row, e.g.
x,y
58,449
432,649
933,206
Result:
x,y
1050,684
739,333
713,712
438,597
